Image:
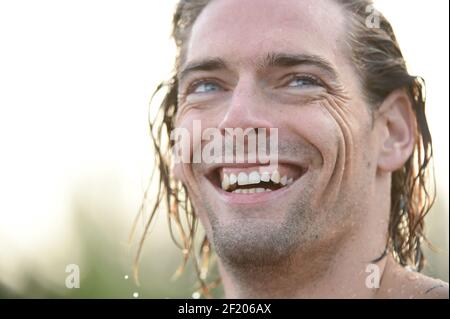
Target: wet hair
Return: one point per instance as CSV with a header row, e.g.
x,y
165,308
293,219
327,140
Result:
x,y
381,67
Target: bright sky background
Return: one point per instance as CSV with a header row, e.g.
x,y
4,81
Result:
x,y
75,82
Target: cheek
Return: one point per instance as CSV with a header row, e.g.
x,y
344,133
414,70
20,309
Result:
x,y
209,114
193,124
338,130
352,128
183,150
317,127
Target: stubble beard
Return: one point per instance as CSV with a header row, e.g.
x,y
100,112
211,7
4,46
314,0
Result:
x,y
254,243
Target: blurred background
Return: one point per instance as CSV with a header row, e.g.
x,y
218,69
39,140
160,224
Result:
x,y
75,158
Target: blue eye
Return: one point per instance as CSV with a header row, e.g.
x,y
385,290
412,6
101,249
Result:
x,y
205,87
303,81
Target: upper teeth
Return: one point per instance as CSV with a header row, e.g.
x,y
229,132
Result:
x,y
254,177
265,177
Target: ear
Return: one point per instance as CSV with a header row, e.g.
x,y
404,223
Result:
x,y
397,123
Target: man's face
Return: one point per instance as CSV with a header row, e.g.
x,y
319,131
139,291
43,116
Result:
x,y
278,64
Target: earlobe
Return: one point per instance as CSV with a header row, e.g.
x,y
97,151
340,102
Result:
x,y
398,127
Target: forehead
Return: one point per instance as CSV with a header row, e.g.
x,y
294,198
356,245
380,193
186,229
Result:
x,y
241,31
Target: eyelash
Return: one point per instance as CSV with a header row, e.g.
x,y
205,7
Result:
x,y
295,76
194,85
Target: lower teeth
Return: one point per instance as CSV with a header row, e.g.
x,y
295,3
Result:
x,y
251,190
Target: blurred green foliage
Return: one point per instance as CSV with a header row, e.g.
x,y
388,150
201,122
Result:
x,y
105,260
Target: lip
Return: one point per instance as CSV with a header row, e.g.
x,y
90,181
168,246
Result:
x,y
281,161
231,198
235,198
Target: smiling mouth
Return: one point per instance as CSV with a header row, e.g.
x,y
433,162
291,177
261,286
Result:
x,y
255,179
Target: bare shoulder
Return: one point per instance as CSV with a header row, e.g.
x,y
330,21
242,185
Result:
x,y
400,282
426,287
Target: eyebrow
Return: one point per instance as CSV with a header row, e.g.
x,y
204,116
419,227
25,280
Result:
x,y
211,64
282,60
290,60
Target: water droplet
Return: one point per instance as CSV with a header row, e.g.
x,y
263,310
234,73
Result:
x,y
136,294
196,295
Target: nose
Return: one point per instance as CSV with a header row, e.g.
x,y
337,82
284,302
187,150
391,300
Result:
x,y
246,108
249,111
